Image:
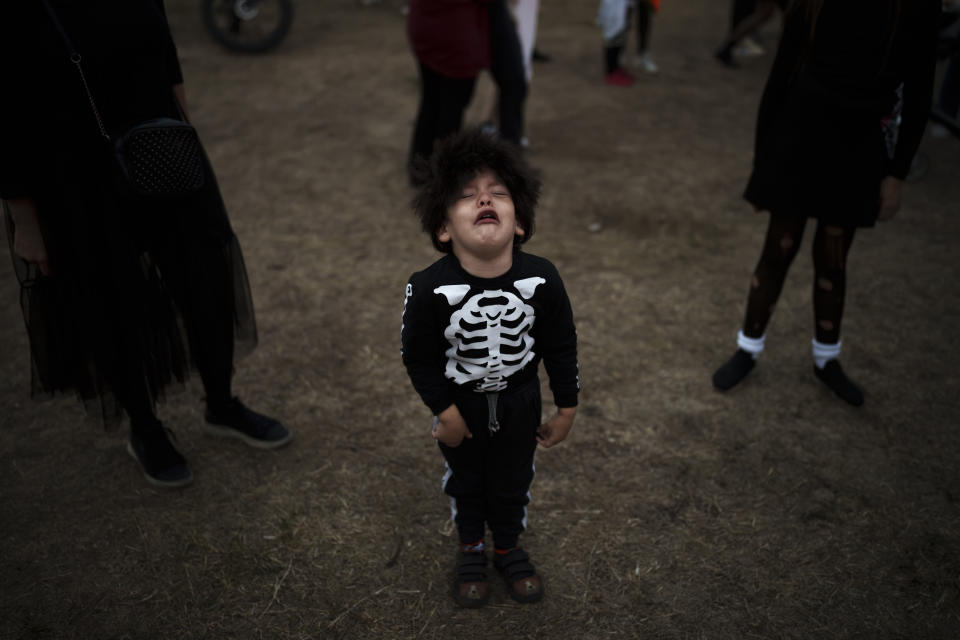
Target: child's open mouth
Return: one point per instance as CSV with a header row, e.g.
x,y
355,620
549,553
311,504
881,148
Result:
x,y
487,216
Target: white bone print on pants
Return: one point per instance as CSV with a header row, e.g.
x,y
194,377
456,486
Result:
x,y
490,334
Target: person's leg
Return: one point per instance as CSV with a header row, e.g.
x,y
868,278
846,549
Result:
x,y
764,11
644,22
506,67
431,100
491,112
945,112
740,11
645,13
780,246
509,473
442,103
948,101
611,57
831,245
615,74
149,444
463,481
198,272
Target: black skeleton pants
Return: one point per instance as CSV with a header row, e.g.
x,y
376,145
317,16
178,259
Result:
x,y
488,476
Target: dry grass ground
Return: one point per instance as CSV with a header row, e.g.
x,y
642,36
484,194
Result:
x,y
673,511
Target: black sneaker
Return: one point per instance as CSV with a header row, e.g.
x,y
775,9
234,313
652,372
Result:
x,y
234,420
161,463
833,376
734,370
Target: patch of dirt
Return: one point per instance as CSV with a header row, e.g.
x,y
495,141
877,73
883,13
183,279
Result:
x,y
673,511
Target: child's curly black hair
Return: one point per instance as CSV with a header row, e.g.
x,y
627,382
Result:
x,y
455,161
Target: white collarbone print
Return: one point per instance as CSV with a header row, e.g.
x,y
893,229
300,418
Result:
x,y
490,334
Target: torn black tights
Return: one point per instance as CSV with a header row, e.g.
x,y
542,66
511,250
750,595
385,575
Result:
x,y
830,247
779,249
831,244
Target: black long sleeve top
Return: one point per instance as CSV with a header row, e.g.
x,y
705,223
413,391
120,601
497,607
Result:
x,y
130,63
464,333
860,53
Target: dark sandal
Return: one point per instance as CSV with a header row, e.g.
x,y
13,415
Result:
x,y
470,587
523,583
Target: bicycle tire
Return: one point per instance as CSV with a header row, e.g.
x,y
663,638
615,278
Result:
x,y
247,35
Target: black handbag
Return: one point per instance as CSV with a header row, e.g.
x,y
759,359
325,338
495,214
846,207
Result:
x,y
159,158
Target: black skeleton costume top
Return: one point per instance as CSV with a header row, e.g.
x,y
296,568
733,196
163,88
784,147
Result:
x,y
488,335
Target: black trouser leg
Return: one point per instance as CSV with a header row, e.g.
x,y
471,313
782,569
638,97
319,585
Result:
x,y
783,238
463,482
442,103
644,22
506,67
510,467
740,11
611,58
488,476
831,245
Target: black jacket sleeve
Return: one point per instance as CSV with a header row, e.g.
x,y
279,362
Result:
x,y
917,88
422,347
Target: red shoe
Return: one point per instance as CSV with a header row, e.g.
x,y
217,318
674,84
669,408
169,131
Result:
x,y
619,77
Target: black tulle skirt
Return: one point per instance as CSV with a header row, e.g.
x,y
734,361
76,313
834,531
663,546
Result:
x,y
140,292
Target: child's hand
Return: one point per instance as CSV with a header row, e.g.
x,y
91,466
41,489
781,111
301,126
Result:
x,y
556,428
451,429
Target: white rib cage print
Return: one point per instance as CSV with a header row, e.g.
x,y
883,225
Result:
x,y
489,335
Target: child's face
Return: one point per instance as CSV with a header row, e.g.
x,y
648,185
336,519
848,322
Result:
x,y
481,222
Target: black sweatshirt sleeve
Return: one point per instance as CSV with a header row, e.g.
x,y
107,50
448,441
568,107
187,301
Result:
x,y
423,353
917,89
558,346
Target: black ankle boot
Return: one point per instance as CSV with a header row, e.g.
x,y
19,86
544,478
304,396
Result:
x,y
734,370
833,376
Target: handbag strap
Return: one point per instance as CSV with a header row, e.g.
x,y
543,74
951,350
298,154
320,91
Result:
x,y
75,59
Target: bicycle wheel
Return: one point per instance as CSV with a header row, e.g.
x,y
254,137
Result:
x,y
250,26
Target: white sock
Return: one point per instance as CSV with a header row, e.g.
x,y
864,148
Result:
x,y
823,353
753,346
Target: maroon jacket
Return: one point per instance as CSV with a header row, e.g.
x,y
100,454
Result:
x,y
451,37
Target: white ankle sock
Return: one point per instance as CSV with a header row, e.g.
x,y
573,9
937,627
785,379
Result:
x,y
823,353
753,346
